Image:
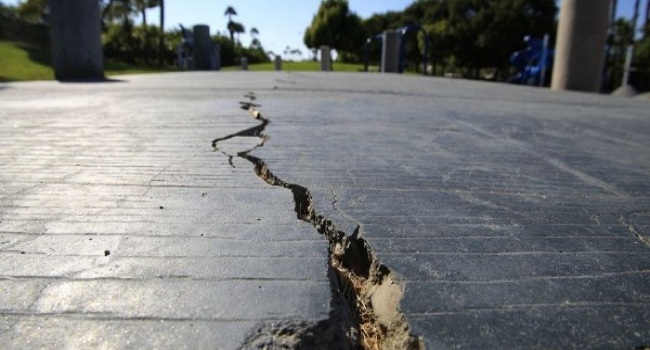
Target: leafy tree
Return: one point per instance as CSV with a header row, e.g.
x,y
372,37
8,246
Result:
x,y
335,26
255,42
8,18
230,52
487,32
621,32
105,12
34,11
469,33
642,54
377,24
142,6
124,11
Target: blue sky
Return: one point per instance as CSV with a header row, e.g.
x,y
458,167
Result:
x,y
282,23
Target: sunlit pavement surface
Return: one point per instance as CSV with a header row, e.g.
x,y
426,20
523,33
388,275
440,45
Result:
x,y
514,217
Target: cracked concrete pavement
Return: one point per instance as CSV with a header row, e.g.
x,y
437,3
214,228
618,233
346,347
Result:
x,y
513,217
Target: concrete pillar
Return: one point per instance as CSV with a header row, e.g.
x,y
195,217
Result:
x,y
278,62
391,41
75,31
325,58
244,63
202,47
580,47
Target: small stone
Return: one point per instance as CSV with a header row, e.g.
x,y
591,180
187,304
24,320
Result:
x,y
107,252
161,207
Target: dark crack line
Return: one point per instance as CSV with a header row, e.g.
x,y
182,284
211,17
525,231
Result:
x,y
255,131
372,291
633,231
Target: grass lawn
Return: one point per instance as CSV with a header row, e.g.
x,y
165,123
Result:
x,y
303,66
20,62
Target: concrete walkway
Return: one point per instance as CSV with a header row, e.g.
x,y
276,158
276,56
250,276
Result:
x,y
510,217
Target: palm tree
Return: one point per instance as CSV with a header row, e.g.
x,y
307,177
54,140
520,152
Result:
x,y
255,43
238,28
105,12
230,11
142,6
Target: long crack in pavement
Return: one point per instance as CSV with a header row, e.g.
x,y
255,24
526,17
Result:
x,y
630,227
365,293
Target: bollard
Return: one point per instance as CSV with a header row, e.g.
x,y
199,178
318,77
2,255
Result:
x,y
75,32
580,47
202,47
244,63
278,63
325,59
391,41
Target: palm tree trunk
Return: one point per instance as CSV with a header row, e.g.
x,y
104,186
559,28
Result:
x,y
161,38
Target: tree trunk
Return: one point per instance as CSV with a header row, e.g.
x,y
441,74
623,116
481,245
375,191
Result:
x,y
232,33
161,37
127,31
